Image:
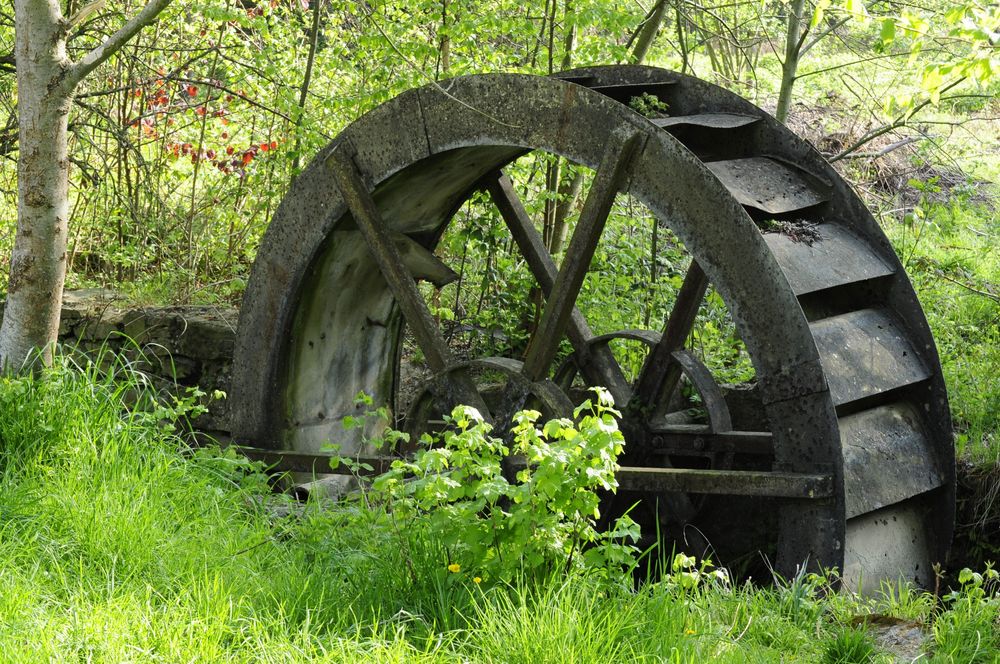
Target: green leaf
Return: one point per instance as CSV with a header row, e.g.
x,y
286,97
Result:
x,y
552,429
819,13
888,33
858,10
955,14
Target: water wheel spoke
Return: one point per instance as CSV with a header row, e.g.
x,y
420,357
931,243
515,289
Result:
x,y
661,372
460,387
598,364
559,306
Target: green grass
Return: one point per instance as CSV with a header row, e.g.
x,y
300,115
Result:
x,y
120,543
950,255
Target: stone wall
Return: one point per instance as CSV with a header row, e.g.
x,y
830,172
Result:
x,y
176,346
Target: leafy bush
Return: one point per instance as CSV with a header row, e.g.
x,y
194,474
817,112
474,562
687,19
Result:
x,y
970,630
492,523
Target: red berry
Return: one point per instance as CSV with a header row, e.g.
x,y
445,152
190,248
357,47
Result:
x,y
192,90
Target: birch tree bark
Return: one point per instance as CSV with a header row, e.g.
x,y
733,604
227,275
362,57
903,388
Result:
x,y
46,81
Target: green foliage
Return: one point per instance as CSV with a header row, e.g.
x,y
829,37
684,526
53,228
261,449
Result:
x,y
184,142
970,631
972,26
688,575
954,270
849,646
574,620
649,105
456,493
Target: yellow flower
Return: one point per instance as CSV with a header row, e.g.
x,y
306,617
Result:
x,y
454,568
477,579
689,631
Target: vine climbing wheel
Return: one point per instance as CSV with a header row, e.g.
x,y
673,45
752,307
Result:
x,y
837,454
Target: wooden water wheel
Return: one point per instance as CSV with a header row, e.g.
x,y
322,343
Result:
x,y
849,462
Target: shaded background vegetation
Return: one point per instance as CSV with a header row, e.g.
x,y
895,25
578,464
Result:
x,y
184,142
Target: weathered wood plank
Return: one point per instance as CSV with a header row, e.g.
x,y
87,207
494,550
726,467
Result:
x,y
698,439
386,254
611,175
725,482
597,363
660,373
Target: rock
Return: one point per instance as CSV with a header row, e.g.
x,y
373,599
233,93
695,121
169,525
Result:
x,y
178,347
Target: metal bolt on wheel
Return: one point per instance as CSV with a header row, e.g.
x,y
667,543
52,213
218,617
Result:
x,y
850,462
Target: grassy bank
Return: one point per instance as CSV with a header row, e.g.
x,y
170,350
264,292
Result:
x,y
120,543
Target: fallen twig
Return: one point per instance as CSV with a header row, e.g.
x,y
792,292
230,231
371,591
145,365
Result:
x,y
884,151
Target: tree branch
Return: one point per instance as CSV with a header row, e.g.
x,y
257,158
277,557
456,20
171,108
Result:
x,y
884,151
900,121
851,63
89,62
816,39
986,294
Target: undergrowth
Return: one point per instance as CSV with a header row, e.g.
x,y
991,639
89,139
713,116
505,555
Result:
x,y
948,250
121,542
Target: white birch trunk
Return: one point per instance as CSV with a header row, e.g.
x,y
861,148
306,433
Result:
x,y
46,80
38,263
